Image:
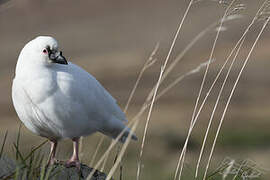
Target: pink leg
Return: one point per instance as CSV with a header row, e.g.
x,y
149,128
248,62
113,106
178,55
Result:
x,y
52,159
74,160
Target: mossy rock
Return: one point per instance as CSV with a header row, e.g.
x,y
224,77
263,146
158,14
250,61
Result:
x,y
58,171
61,172
7,167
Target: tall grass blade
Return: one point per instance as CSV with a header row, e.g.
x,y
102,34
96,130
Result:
x,y
147,123
231,94
215,106
3,144
149,62
96,151
112,170
182,155
35,149
18,141
18,154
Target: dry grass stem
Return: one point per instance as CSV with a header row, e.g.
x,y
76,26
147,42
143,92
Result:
x,y
96,151
80,148
189,46
231,94
194,41
103,157
182,155
219,73
147,123
180,78
173,64
172,46
112,170
146,105
162,69
105,161
215,106
3,144
228,169
150,61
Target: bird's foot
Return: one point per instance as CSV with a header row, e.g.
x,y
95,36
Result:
x,y
73,163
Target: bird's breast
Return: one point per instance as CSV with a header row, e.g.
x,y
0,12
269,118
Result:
x,y
41,89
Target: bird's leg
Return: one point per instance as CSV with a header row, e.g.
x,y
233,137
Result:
x,y
52,159
74,160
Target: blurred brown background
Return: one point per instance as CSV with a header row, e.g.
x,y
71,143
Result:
x,y
112,40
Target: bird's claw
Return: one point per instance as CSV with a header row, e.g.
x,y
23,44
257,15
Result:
x,y
73,163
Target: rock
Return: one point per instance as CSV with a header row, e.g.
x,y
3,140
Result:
x,y
7,167
58,171
72,173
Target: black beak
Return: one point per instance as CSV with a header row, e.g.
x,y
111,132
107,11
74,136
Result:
x,y
57,57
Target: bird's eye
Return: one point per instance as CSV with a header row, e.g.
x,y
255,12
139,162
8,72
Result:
x,y
45,51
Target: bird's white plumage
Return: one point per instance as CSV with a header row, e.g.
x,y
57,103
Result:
x,y
61,101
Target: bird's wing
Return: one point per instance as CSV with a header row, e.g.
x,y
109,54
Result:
x,y
93,92
115,109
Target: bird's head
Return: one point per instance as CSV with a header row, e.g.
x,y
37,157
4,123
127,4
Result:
x,y
42,50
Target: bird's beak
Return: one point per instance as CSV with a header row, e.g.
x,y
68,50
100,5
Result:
x,y
57,57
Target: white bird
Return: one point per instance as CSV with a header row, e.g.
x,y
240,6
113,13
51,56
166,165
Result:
x,y
57,99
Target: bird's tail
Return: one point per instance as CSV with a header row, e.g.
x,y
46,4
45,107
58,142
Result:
x,y
125,136
115,127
